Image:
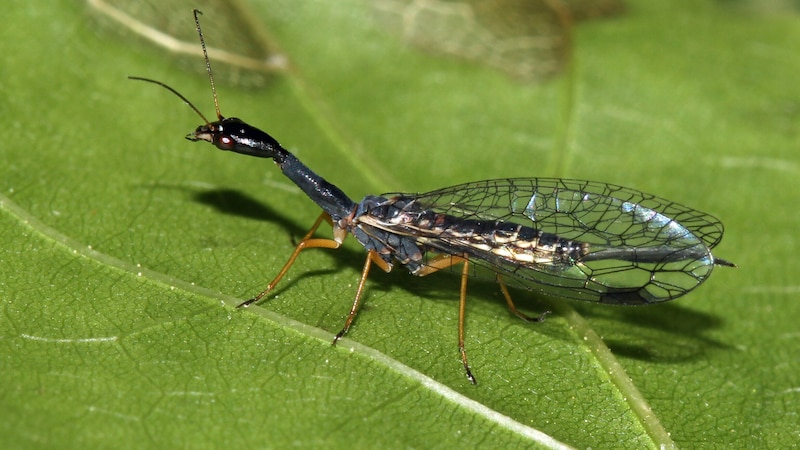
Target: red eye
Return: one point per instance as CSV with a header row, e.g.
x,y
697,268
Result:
x,y
225,142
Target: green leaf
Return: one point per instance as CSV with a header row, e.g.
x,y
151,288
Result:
x,y
125,247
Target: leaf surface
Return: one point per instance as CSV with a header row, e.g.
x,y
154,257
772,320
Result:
x,y
125,247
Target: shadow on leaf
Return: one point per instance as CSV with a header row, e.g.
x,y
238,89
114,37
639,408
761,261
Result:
x,y
660,333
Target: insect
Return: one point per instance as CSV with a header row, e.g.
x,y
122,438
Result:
x,y
572,239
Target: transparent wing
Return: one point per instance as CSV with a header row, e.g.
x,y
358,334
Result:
x,y
637,248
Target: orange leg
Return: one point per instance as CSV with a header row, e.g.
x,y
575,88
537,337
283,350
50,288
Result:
x,y
443,262
306,242
462,309
513,308
438,263
372,257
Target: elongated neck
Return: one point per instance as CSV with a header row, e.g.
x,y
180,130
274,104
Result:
x,y
233,134
329,197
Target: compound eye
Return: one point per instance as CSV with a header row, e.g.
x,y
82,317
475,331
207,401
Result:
x,y
225,142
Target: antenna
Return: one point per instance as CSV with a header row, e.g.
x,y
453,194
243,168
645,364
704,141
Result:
x,y
208,62
165,86
208,69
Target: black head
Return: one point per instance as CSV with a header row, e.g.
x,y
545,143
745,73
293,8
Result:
x,y
226,133
237,136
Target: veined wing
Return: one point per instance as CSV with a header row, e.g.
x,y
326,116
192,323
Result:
x,y
567,238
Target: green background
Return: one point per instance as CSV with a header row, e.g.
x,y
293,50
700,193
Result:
x,y
125,247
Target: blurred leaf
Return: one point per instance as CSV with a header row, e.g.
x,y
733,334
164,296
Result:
x,y
125,246
243,47
527,39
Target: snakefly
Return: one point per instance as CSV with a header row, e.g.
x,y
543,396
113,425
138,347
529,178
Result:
x,y
572,239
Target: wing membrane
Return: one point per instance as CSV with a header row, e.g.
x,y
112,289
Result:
x,y
639,248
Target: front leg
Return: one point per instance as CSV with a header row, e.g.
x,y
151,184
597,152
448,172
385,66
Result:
x,y
305,243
